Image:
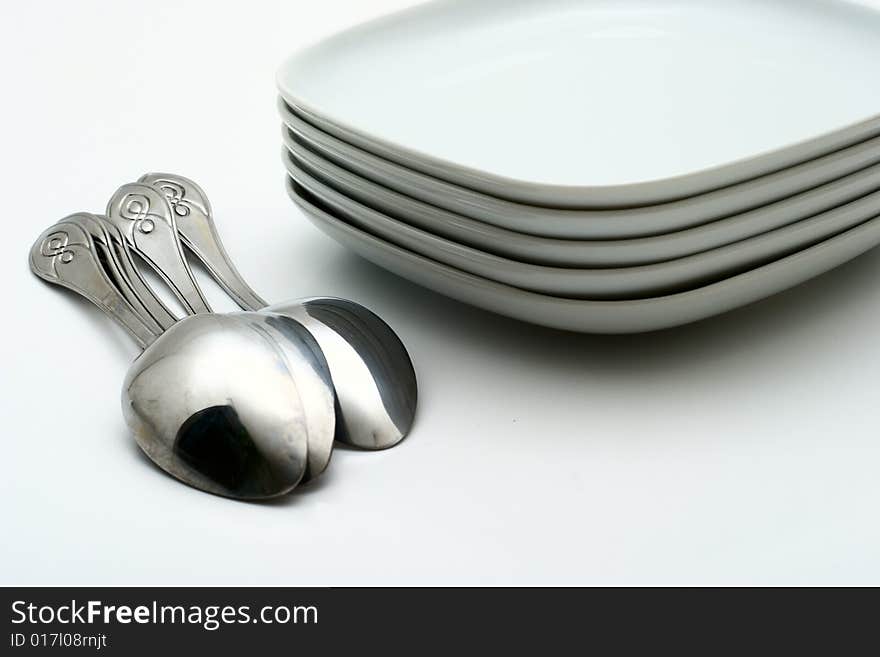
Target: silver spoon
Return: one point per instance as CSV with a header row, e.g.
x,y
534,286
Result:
x,y
120,268
107,258
139,213
213,400
190,205
372,372
66,255
162,247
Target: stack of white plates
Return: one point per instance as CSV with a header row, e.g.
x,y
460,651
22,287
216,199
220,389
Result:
x,y
603,166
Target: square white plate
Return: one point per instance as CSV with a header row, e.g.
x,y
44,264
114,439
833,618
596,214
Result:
x,y
568,223
632,316
592,254
598,103
614,284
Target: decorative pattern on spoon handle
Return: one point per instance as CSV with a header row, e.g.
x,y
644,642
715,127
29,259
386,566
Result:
x,y
65,255
146,220
195,225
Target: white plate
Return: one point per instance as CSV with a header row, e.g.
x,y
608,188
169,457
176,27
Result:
x,y
587,224
637,101
582,253
600,316
613,284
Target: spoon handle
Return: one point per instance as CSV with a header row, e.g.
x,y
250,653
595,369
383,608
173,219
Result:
x,y
65,255
146,221
152,304
195,225
106,257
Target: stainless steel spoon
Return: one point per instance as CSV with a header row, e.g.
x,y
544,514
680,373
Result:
x,y
120,268
190,206
66,255
312,372
142,216
372,372
162,246
215,400
163,249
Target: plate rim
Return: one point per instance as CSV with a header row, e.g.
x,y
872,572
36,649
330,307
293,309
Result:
x,y
630,194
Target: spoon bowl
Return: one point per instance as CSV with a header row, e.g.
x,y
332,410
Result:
x,y
372,372
214,402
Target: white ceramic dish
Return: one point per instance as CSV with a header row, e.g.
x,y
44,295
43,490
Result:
x,y
612,284
586,224
583,253
639,101
600,316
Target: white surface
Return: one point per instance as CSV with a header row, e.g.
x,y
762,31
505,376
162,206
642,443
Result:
x,y
741,450
531,97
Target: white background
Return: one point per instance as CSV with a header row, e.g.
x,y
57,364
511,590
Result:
x,y
742,450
